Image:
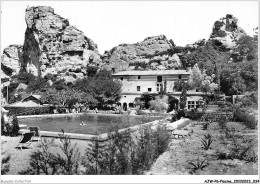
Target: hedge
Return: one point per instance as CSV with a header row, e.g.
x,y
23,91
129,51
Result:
x,y
28,110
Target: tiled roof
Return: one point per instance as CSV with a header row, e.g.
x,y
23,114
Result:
x,y
152,72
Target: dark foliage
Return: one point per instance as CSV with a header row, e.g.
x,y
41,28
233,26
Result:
x,y
91,71
102,88
39,84
10,128
246,119
25,77
5,165
28,110
236,146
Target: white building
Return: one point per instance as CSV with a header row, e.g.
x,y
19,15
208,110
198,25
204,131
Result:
x,y
135,83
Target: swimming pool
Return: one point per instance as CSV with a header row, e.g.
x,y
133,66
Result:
x,y
92,123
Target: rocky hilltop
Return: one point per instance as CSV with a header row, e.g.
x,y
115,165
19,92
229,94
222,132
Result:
x,y
51,45
153,51
226,31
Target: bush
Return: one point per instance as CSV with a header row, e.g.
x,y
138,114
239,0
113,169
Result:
x,y
180,113
160,104
123,153
10,128
28,110
236,146
248,120
44,162
5,159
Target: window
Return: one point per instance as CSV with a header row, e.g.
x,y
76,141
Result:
x,y
149,89
159,87
138,88
122,78
139,77
179,76
193,104
159,78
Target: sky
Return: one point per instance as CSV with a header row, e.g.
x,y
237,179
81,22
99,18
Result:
x,y
110,23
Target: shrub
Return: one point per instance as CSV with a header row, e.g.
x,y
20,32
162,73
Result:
x,y
43,161
10,128
160,104
28,110
205,125
222,121
198,165
180,113
248,120
5,159
121,154
206,142
237,146
193,114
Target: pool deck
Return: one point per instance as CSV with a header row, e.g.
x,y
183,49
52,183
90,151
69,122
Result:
x,y
105,136
77,114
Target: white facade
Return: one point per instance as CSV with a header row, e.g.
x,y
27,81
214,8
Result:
x,y
135,83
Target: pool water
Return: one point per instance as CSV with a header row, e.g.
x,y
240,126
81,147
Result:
x,y
94,123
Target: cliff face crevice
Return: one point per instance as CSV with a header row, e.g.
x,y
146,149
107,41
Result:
x,y
31,53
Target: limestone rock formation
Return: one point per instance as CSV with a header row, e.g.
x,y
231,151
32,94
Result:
x,y
11,60
226,31
52,45
153,51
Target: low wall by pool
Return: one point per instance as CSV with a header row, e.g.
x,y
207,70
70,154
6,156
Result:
x,y
82,123
105,136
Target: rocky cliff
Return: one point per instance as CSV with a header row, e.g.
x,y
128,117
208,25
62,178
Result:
x,y
11,60
152,51
52,45
226,32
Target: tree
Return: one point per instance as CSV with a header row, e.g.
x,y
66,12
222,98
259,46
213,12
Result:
x,y
246,49
67,98
196,77
102,88
160,104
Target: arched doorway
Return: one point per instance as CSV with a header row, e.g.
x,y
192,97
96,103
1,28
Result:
x,y
125,106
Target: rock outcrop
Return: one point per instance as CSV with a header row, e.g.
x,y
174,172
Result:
x,y
153,51
226,32
11,60
52,45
